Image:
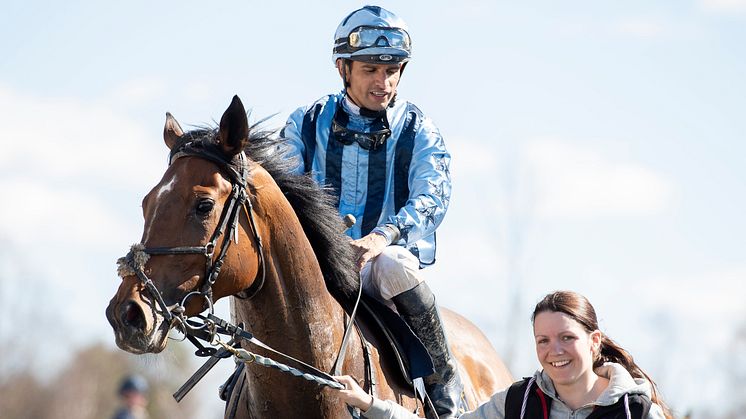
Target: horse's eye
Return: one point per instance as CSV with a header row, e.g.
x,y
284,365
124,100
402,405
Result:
x,y
204,207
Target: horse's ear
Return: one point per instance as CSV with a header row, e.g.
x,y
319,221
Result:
x,y
172,131
234,128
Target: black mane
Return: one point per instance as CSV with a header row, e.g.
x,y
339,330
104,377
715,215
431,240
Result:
x,y
314,207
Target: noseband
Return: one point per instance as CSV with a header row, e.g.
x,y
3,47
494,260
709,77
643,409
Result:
x,y
134,262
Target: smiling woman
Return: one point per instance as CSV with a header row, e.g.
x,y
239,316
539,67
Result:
x,y
581,363
584,374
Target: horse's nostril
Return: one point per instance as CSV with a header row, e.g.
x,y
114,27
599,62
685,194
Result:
x,y
133,316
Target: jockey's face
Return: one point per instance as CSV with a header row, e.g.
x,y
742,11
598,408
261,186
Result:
x,y
371,86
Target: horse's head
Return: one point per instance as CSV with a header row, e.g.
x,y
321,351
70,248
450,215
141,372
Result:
x,y
185,259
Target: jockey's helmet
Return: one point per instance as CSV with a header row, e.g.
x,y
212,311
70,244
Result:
x,y
372,34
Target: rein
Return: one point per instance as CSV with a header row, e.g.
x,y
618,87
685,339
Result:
x,y
209,327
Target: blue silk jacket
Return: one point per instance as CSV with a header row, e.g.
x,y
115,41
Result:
x,y
404,184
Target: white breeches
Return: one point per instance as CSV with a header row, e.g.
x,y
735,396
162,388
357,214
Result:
x,y
391,273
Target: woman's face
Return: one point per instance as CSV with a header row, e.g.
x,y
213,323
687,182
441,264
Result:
x,y
565,350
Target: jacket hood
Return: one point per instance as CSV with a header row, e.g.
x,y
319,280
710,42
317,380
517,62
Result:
x,y
620,383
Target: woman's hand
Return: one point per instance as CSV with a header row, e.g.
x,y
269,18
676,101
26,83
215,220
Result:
x,y
352,394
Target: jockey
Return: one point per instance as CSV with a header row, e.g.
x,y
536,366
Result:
x,y
387,165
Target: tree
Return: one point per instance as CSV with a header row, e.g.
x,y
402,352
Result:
x,y
87,387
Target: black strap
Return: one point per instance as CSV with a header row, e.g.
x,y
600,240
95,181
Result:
x,y
204,369
260,279
337,368
514,399
370,372
639,406
232,408
535,409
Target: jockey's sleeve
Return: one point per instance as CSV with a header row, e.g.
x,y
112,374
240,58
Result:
x,y
429,186
291,132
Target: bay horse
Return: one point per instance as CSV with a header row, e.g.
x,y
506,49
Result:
x,y
288,251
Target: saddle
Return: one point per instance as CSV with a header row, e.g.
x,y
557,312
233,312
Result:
x,y
410,354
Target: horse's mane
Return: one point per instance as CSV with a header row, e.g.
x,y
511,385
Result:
x,y
314,207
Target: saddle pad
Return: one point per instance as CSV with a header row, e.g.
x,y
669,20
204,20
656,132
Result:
x,y
411,355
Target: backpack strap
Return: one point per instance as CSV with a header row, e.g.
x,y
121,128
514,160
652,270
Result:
x,y
525,400
634,406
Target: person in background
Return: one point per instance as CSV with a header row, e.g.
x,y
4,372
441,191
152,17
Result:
x,y
583,373
133,396
386,164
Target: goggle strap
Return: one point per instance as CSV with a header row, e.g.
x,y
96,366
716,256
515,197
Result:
x,y
366,140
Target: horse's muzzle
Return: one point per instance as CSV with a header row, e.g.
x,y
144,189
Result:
x,y
132,330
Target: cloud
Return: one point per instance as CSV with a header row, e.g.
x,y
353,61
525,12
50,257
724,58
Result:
x,y
72,174
471,158
720,290
694,313
139,91
197,91
61,139
56,214
570,181
724,6
642,28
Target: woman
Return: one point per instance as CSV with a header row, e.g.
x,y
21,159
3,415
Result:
x,y
583,372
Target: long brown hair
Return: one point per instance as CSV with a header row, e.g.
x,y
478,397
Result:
x,y
580,309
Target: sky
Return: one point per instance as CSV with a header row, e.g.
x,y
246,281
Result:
x,y
596,146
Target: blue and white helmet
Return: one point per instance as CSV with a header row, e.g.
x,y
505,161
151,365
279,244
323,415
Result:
x,y
374,35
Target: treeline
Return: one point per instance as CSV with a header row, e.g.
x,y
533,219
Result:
x,y
86,388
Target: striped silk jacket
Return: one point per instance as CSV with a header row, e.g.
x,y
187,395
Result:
x,y
404,183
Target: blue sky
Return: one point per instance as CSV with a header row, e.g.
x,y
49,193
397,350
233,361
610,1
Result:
x,y
597,147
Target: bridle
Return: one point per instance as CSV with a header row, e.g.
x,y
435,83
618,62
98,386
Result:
x,y
208,327
227,228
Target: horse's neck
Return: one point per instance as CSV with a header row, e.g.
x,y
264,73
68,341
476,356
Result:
x,y
294,312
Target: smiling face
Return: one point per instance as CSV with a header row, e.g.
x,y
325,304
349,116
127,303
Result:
x,y
565,349
372,86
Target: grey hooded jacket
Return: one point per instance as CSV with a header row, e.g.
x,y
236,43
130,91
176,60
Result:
x,y
620,383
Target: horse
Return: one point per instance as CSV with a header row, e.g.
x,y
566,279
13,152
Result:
x,y
285,261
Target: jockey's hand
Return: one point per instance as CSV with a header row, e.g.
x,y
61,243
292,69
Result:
x,y
352,394
368,247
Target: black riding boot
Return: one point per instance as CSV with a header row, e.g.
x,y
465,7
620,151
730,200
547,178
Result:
x,y
417,307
